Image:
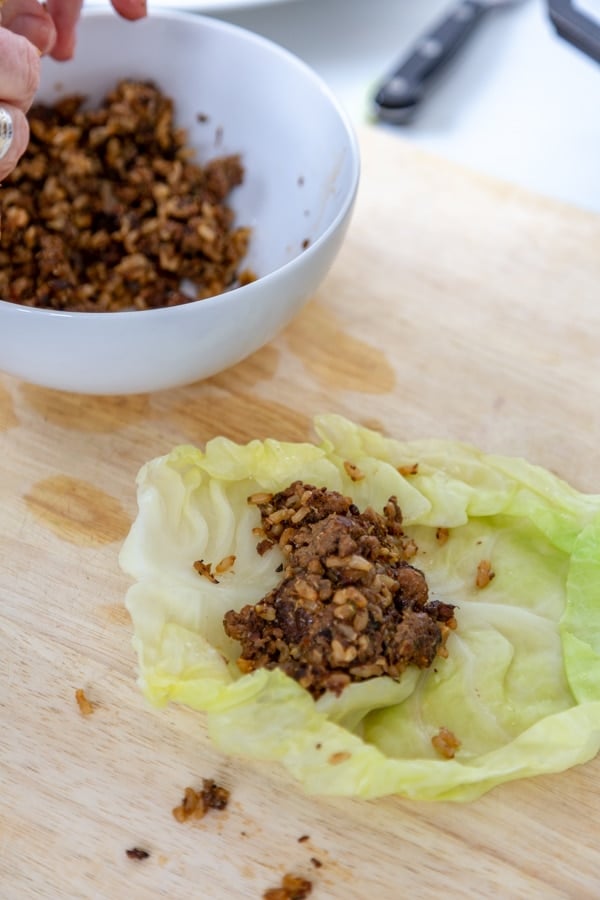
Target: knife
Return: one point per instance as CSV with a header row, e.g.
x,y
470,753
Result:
x,y
398,97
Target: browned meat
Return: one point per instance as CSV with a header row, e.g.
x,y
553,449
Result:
x,y
195,804
107,210
293,887
349,606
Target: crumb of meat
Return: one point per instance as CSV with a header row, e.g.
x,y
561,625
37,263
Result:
x,y
303,838
316,862
293,887
445,743
341,756
353,471
484,574
441,535
349,606
107,209
86,707
410,469
225,565
137,853
205,569
246,276
195,804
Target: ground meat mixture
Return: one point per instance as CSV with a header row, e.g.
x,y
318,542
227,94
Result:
x,y
349,606
108,211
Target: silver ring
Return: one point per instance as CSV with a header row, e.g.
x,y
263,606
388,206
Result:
x,y
6,131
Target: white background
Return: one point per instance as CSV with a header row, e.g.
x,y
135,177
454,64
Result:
x,y
518,102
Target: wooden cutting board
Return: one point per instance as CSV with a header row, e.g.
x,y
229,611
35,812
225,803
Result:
x,y
460,308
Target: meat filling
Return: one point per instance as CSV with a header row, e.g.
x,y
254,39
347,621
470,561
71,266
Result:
x,y
349,606
108,209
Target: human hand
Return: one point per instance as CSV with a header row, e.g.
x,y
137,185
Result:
x,y
65,15
28,30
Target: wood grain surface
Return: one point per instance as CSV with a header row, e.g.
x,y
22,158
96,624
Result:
x,y
459,307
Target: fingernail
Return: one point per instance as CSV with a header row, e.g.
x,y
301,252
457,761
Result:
x,y
66,49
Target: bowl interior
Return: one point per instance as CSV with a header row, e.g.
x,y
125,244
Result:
x,y
234,93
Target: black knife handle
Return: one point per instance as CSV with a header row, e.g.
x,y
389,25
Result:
x,y
573,26
405,86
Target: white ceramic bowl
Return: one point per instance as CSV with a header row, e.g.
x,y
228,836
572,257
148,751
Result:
x,y
302,172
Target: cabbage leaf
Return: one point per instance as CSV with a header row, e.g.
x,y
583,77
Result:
x,y
520,687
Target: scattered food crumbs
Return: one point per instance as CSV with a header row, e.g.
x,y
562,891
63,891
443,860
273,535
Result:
x,y
205,569
411,469
303,838
305,244
293,887
318,746
336,758
485,573
316,862
195,804
442,535
202,117
85,707
137,853
225,565
446,743
353,471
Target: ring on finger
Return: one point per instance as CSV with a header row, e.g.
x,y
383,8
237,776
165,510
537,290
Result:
x,y
6,131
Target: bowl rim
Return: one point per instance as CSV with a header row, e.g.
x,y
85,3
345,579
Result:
x,y
229,296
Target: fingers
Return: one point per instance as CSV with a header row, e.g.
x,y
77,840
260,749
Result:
x,y
19,70
65,15
19,81
130,9
19,141
31,20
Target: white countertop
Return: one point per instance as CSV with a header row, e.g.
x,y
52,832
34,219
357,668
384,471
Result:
x,y
518,102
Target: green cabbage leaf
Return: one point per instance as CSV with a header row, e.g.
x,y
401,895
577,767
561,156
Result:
x,y
520,686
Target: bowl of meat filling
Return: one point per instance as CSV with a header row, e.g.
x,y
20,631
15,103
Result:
x,y
187,187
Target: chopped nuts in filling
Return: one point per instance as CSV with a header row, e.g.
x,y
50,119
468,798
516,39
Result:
x,y
108,211
349,605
